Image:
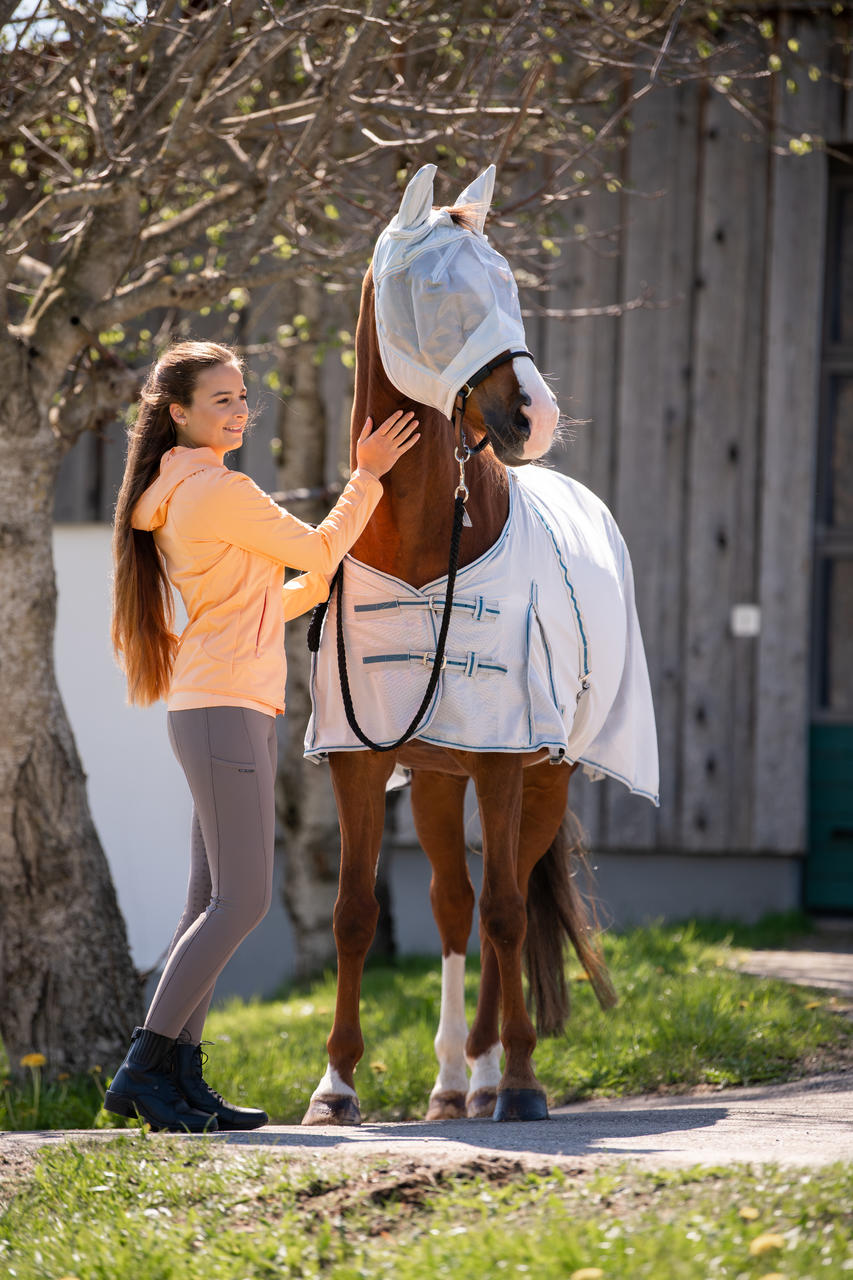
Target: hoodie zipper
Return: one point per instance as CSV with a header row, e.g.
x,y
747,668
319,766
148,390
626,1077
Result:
x,y
261,627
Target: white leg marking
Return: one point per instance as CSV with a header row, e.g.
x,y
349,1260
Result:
x,y
542,413
486,1070
452,1027
332,1083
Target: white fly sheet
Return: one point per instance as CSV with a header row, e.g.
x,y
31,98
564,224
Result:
x,y
544,647
446,301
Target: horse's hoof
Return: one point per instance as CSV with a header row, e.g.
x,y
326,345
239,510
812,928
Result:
x,y
333,1108
521,1104
449,1104
481,1103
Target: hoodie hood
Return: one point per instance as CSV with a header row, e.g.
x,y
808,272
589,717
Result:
x,y
175,467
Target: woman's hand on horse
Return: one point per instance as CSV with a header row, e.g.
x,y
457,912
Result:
x,y
377,451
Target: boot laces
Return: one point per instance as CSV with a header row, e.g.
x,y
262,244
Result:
x,y
200,1060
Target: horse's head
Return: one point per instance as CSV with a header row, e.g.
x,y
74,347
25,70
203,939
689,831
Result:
x,y
448,320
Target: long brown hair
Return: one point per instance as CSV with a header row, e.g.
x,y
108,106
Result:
x,y
143,606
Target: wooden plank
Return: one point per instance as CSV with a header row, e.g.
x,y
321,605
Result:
x,y
579,357
795,290
841,61
720,546
579,354
111,444
659,249
76,486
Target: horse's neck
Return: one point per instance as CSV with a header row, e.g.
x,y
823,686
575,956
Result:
x,y
410,531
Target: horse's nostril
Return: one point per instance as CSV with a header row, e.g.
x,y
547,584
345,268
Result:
x,y
521,423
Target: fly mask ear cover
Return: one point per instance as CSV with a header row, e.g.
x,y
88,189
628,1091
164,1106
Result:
x,y
446,301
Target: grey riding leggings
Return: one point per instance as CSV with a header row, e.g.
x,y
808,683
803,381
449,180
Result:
x,y
229,757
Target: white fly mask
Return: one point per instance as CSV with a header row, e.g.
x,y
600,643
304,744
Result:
x,y
446,301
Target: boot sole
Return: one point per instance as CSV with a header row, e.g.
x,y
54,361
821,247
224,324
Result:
x,y
225,1127
118,1105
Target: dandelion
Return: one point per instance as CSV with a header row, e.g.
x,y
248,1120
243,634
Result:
x,y
33,1060
764,1244
587,1273
63,1076
772,1275
379,1067
748,1213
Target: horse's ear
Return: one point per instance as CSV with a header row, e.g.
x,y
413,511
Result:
x,y
416,205
479,194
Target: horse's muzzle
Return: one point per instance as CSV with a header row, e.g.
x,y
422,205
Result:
x,y
509,439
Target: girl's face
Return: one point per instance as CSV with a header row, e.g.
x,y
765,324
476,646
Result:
x,y
217,415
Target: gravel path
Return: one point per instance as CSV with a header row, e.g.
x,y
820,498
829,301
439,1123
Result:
x,y
803,1123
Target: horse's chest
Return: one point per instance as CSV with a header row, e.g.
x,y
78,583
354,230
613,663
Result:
x,y
534,653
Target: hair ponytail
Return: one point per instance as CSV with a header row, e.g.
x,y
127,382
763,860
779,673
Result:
x,y
143,606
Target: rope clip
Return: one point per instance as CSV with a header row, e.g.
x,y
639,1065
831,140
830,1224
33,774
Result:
x,y
462,455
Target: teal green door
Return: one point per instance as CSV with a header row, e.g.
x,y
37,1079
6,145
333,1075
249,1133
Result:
x,y
829,865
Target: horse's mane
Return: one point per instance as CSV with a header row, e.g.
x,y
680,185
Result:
x,y
465,216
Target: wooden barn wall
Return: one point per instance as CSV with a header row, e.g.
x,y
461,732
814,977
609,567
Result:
x,y
698,425
701,435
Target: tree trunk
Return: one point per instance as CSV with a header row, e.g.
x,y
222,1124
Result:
x,y
68,988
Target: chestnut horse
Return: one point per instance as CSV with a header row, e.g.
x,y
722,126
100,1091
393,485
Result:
x,y
529,902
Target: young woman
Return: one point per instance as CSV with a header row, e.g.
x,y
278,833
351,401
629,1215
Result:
x,y
183,518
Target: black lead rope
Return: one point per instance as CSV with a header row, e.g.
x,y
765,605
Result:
x,y
463,452
438,663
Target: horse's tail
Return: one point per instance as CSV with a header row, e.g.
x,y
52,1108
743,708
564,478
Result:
x,y
556,912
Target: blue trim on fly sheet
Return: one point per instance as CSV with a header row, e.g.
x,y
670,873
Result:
x,y
538,513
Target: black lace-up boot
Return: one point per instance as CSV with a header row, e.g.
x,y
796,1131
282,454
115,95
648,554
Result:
x,y
145,1086
189,1066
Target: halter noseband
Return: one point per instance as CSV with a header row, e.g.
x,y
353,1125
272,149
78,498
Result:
x,y
473,382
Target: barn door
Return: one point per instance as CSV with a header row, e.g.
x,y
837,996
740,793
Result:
x,y
829,866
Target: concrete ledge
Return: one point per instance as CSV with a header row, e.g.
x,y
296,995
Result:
x,y
631,889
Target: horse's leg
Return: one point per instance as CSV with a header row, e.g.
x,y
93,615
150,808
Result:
x,y
358,778
438,801
483,1048
499,791
544,799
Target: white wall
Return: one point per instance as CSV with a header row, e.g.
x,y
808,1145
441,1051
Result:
x,y
137,793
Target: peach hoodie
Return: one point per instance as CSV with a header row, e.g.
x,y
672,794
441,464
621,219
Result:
x,y
225,543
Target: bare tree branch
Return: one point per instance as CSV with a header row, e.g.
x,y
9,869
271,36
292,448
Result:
x,y
237,134
191,290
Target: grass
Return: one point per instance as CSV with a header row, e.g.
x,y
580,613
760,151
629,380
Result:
x,y
685,1018
155,1208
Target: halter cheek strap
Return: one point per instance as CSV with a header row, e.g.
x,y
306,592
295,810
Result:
x,y
473,382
